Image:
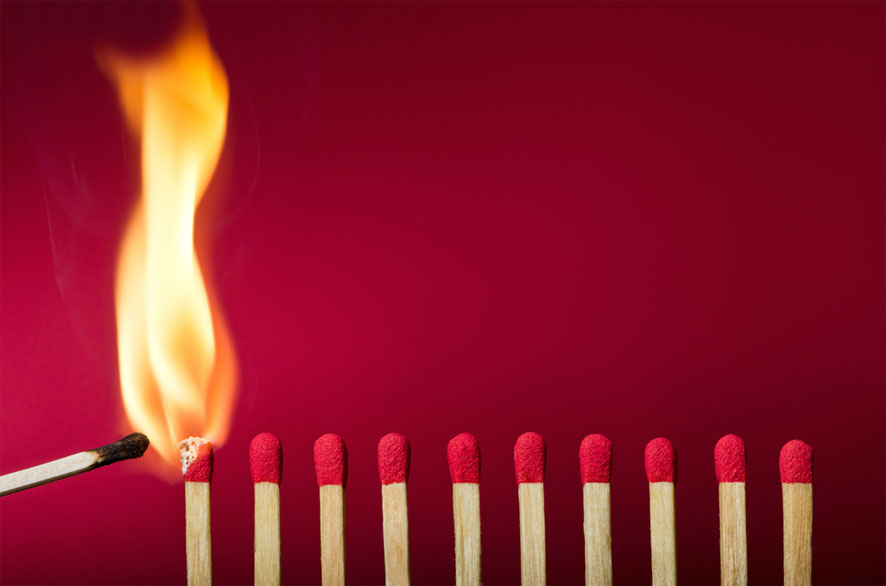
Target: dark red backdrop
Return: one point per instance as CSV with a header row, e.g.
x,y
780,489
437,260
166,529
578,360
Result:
x,y
633,219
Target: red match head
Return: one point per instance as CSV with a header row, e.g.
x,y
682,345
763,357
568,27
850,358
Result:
x,y
529,458
730,459
196,455
266,458
331,460
464,459
661,461
795,462
393,459
595,458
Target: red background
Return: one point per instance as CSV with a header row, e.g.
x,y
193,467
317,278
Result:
x,y
632,219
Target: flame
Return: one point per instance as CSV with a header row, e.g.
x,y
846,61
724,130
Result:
x,y
177,366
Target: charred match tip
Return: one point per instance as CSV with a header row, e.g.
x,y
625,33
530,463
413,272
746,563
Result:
x,y
464,459
529,458
196,459
331,460
795,462
266,458
730,459
595,458
661,461
393,459
131,446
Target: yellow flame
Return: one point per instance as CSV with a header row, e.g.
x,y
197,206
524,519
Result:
x,y
177,365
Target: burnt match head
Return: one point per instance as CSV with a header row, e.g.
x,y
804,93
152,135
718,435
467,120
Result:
x,y
529,458
795,462
266,458
661,461
730,459
393,459
196,455
331,460
595,458
131,446
464,459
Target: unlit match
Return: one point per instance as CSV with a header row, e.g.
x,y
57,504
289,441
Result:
x,y
393,471
529,464
795,464
730,463
595,460
661,471
463,453
266,465
127,448
196,453
331,467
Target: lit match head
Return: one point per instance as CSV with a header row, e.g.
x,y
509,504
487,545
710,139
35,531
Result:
x,y
393,459
196,459
266,458
331,460
730,459
595,458
795,462
661,461
464,459
529,458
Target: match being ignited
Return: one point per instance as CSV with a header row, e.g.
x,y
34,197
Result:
x,y
197,464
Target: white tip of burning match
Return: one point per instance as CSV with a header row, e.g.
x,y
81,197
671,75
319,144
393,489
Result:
x,y
196,454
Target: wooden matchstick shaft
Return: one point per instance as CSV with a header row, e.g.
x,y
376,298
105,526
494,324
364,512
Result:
x,y
332,534
49,472
267,533
598,534
532,533
396,534
198,536
663,533
466,514
733,535
797,504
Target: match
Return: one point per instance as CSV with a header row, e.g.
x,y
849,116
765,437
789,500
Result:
x,y
331,467
529,462
661,472
464,467
266,465
795,463
196,453
595,460
393,471
127,448
730,463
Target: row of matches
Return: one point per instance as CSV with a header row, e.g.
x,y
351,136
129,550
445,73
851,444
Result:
x,y
595,457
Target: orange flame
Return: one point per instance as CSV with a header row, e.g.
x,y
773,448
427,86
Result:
x,y
177,366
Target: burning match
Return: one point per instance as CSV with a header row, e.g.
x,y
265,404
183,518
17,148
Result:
x,y
197,471
127,448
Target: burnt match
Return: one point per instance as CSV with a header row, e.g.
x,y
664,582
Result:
x,y
127,448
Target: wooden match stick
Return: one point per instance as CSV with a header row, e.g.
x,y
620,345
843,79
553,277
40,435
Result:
x,y
730,462
196,455
595,459
529,462
393,471
795,463
331,466
266,464
131,446
464,468
661,471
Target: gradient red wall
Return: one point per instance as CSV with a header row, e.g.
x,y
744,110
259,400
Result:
x,y
632,219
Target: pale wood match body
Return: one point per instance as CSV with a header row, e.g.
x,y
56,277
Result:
x,y
49,472
396,533
598,534
733,535
797,510
663,533
267,533
198,537
466,515
532,533
332,534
